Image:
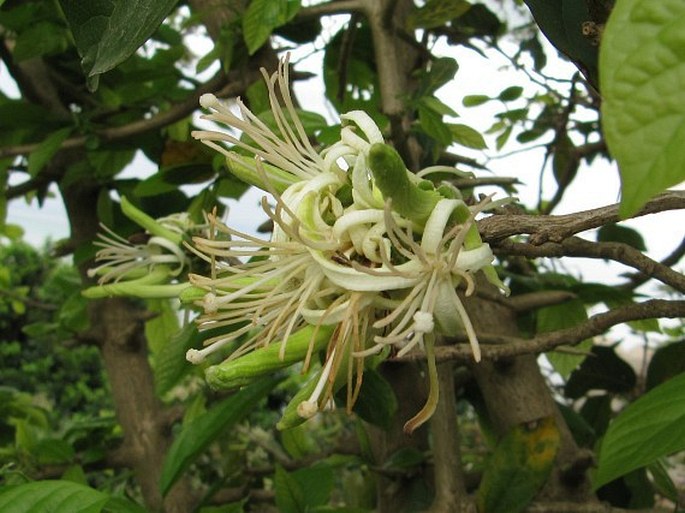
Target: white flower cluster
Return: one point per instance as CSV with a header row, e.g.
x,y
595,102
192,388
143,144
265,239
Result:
x,y
340,253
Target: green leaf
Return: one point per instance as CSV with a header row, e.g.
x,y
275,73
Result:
x,y
646,430
511,93
562,22
667,362
162,327
642,69
432,124
171,364
473,100
262,17
107,32
616,233
195,437
603,370
52,497
467,136
377,402
436,13
519,467
46,149
290,496
41,38
558,317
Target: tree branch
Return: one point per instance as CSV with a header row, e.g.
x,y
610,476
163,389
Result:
x,y
330,8
617,251
495,347
637,279
557,228
175,113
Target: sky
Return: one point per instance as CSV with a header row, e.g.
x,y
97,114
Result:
x,y
594,186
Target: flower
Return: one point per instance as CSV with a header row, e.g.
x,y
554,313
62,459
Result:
x,y
359,243
142,269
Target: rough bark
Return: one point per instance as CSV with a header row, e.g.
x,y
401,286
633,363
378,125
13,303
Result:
x,y
118,330
515,392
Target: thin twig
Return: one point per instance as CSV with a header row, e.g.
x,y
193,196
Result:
x,y
495,347
617,251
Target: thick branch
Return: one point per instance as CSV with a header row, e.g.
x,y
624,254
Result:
x,y
495,347
617,251
557,228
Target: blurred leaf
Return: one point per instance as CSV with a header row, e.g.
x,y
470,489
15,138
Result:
x,y
436,13
290,497
646,430
503,138
662,480
519,467
46,149
171,364
596,410
377,402
52,497
667,362
432,124
643,107
43,38
511,93
53,451
162,327
262,17
404,458
559,317
122,505
603,370
197,435
440,72
467,136
73,314
473,100
616,233
438,106
107,33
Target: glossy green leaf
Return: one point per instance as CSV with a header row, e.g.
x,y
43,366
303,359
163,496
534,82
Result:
x,y
642,69
51,497
203,430
108,32
646,430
